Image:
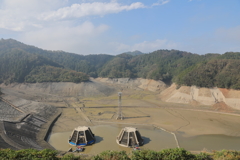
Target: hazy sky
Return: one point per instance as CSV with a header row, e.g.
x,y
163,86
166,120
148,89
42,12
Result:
x,y
116,26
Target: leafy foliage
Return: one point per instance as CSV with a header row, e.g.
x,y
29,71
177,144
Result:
x,y
226,155
112,155
88,64
54,74
224,73
17,65
28,154
166,154
70,157
117,67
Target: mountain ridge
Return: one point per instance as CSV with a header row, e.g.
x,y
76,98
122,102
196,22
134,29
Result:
x,y
180,67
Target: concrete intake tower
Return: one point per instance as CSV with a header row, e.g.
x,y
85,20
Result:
x,y
129,137
82,136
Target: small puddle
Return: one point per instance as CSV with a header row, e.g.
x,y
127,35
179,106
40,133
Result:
x,y
154,139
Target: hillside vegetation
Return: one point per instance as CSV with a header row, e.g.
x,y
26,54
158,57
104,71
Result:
x,y
24,63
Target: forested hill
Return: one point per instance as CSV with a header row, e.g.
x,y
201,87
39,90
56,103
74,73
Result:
x,y
134,53
24,63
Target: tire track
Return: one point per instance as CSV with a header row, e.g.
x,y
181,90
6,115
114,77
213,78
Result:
x,y
181,117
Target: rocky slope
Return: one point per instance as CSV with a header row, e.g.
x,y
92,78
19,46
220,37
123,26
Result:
x,y
201,96
137,83
101,87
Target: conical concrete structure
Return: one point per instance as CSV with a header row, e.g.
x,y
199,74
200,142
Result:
x,y
129,137
81,136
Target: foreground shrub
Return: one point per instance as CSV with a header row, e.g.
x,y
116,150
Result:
x,y
70,157
226,155
145,154
28,154
112,155
176,153
203,156
166,154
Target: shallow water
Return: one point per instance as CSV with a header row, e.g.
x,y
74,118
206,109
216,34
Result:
x,y
154,139
106,135
209,142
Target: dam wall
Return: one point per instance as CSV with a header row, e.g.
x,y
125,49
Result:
x,y
22,121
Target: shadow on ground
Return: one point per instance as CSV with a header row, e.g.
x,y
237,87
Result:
x,y
146,140
98,139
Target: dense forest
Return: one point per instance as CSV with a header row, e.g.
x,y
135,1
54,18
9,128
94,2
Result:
x,y
23,63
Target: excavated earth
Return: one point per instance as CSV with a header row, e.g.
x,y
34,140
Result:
x,y
29,112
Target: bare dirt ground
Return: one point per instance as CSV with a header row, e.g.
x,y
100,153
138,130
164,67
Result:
x,y
96,103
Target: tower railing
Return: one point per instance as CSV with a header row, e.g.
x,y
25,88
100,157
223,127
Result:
x,y
119,114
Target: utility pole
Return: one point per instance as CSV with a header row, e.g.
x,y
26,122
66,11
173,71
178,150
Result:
x,y
119,114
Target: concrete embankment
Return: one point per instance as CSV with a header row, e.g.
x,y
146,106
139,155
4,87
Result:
x,y
25,124
45,130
